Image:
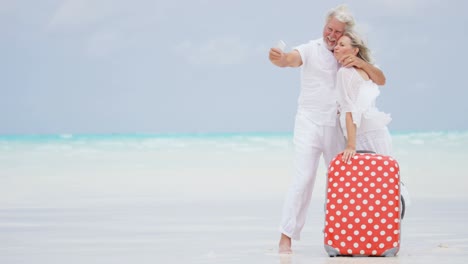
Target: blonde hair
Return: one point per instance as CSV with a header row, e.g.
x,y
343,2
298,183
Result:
x,y
357,42
342,14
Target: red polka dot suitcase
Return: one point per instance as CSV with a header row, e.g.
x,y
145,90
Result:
x,y
362,216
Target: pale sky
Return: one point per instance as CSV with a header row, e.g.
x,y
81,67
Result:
x,y
201,66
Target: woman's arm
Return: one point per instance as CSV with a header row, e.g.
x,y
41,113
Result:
x,y
350,149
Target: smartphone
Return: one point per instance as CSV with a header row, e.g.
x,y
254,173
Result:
x,y
280,45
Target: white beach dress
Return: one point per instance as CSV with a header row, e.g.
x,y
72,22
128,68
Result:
x,y
358,96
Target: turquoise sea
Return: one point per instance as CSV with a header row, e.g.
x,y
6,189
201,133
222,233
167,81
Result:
x,y
202,198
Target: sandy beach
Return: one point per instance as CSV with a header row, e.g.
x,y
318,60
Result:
x,y
202,200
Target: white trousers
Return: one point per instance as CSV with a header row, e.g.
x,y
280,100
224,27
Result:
x,y
310,142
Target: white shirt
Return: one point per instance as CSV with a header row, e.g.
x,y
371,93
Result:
x,y
318,95
358,96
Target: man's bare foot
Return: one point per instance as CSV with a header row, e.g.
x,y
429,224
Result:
x,y
285,245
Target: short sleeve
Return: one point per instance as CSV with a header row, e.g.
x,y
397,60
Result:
x,y
304,52
347,85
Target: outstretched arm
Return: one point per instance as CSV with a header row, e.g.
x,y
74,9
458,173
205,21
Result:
x,y
281,59
375,74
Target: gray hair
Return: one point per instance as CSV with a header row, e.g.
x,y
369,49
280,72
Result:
x,y
357,42
342,14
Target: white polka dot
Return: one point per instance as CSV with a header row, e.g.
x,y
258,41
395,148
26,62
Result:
x,y
369,245
396,220
343,168
330,230
379,157
345,207
392,180
377,202
373,173
376,227
384,196
343,244
370,220
385,174
391,203
364,214
338,212
335,184
356,245
359,195
385,163
363,227
348,173
332,218
379,168
365,201
337,173
361,162
376,239
396,232
332,206
336,237
357,220
354,179
342,179
385,185
354,167
382,233
339,201
366,168
349,238
358,207
369,233
347,184
379,179
392,169
389,238
382,245
360,173
363,239
384,208
362,252
391,191
356,232
359,184
333,195
367,157
346,195
366,179
352,201
350,251
337,162
340,190
395,244
389,226
378,190
371,208
373,162
343,232
356,157
372,185
337,225
377,214
350,226
344,220
371,196
366,190
390,215
351,213
330,242
383,220
374,252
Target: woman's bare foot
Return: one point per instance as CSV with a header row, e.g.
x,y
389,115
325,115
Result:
x,y
285,245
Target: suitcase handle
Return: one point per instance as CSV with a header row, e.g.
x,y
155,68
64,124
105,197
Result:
x,y
365,151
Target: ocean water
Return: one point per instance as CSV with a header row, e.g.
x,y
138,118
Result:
x,y
76,168
202,199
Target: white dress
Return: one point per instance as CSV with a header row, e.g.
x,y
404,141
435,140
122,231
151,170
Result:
x,y
358,96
